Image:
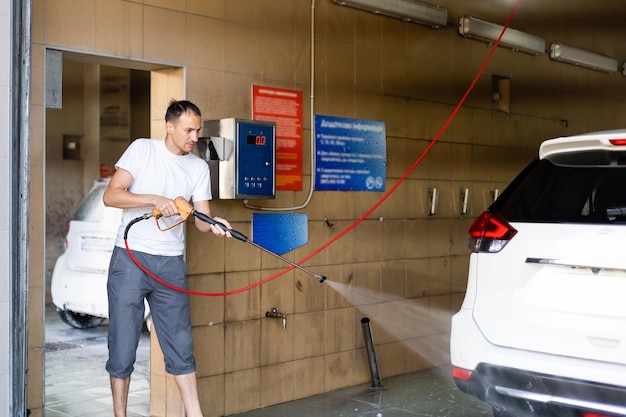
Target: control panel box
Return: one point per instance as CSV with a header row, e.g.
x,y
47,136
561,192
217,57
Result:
x,y
242,157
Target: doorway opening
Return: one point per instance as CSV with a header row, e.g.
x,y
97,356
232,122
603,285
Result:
x,y
106,103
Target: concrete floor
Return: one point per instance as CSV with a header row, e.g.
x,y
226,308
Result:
x,y
77,385
421,394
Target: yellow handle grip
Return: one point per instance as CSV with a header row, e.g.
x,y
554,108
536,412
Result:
x,y
183,206
184,210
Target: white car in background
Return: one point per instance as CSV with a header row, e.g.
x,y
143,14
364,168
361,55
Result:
x,y
542,328
79,279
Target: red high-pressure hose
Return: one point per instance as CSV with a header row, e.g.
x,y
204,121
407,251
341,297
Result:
x,y
347,229
432,143
185,210
167,284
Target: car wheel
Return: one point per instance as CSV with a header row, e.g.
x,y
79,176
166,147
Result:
x,y
78,320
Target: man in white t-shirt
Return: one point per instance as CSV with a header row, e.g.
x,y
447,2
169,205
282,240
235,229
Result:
x,y
151,174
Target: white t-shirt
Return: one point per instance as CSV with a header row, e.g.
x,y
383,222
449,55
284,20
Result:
x,y
156,170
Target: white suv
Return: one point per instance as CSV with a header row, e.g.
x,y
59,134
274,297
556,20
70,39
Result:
x,y
542,328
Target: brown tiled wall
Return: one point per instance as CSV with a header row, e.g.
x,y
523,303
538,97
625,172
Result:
x,y
398,265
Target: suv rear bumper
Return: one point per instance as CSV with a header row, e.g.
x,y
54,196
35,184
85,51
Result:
x,y
508,378
505,387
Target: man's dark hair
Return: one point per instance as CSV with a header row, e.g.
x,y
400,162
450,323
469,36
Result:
x,y
178,108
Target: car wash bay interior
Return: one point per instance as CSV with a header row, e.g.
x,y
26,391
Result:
x,y
404,266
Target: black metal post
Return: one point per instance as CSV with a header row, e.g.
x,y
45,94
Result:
x,y
369,341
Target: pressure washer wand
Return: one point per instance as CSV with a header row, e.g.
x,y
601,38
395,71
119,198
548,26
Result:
x,y
243,238
185,209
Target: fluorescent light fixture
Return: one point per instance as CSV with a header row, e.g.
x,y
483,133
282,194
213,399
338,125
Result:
x,y
407,10
582,58
516,40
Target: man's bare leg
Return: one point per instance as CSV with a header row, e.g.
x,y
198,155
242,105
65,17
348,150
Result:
x,y
119,391
188,387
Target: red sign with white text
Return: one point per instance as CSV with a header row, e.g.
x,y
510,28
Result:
x,y
284,107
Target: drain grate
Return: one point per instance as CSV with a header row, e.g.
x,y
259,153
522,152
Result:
x,y
56,346
75,344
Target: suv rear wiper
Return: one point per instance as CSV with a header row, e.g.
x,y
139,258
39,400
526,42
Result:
x,y
614,212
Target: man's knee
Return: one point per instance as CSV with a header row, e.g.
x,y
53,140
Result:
x,y
118,370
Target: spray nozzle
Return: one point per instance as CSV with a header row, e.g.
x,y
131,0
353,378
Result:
x,y
320,278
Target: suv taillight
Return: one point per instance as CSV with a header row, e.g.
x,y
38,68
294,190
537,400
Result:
x,y
460,373
490,232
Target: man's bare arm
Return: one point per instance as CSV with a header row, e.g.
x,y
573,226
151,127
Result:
x,y
117,195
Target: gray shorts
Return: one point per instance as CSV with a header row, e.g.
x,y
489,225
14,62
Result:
x,y
127,287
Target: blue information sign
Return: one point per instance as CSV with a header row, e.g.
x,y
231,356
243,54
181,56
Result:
x,y
351,154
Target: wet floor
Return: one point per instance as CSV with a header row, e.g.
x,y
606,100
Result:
x,y
425,394
76,383
77,386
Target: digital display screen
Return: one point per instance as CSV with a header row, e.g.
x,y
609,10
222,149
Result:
x,y
258,140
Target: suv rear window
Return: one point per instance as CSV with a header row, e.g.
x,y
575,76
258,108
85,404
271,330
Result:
x,y
550,193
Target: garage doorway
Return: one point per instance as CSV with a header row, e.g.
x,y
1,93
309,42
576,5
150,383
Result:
x,y
105,104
